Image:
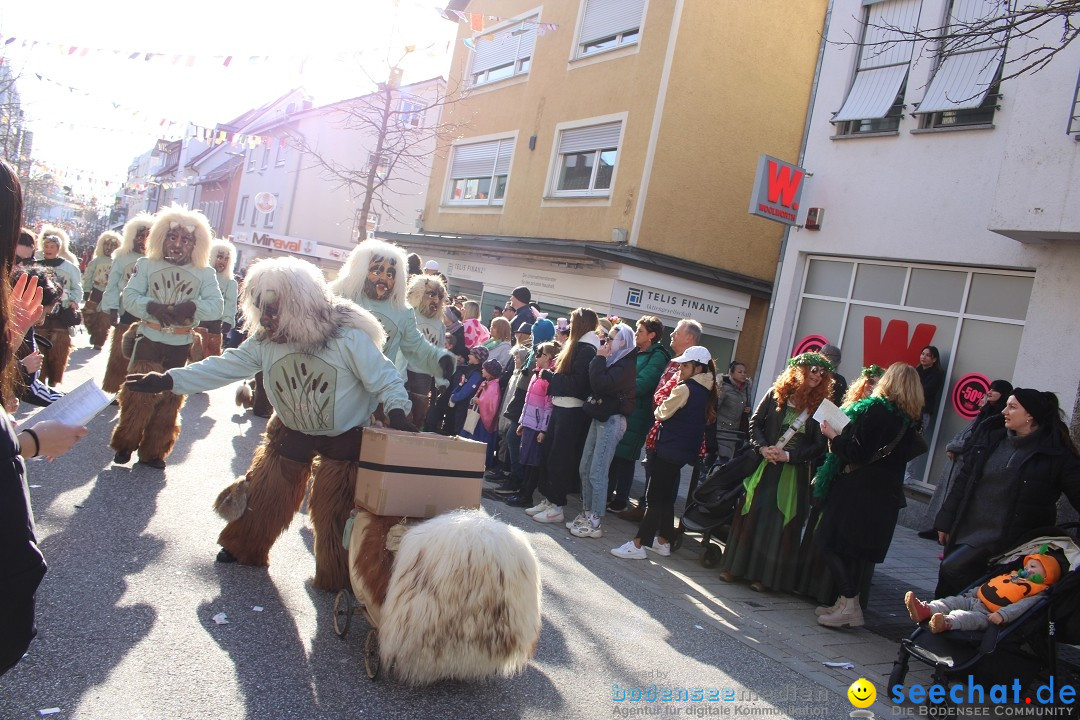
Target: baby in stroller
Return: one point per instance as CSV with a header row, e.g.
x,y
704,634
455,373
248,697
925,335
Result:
x,y
998,600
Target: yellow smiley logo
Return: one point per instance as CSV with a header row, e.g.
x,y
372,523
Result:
x,y
861,693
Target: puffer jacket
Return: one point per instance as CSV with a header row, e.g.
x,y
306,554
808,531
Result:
x,y
612,386
650,366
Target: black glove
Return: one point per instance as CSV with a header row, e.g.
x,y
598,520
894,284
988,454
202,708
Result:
x,y
546,375
397,419
114,317
149,383
164,313
225,328
184,312
447,364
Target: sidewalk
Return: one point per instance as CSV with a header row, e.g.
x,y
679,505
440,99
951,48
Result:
x,y
778,625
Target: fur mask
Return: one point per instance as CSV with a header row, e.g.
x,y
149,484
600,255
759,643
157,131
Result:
x,y
57,235
309,316
143,220
427,305
184,219
218,247
353,281
107,243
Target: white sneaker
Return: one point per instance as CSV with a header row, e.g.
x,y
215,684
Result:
x,y
586,530
629,551
544,505
551,514
661,549
581,518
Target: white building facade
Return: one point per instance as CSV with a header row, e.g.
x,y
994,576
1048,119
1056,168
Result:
x,y
951,212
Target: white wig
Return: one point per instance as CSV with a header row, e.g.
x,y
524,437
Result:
x,y
223,245
419,284
309,315
350,283
103,238
58,235
155,243
131,229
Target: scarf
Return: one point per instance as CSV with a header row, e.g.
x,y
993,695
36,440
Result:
x,y
833,465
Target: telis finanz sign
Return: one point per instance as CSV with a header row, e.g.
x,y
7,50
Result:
x,y
777,189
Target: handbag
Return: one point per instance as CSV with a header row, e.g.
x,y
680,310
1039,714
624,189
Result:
x,y
919,446
472,419
601,409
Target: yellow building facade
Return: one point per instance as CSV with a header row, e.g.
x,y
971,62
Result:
x,y
605,151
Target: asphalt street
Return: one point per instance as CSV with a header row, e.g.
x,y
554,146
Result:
x,y
127,630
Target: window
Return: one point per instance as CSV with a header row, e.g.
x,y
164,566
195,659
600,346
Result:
x,y
282,152
242,212
964,90
479,171
503,53
586,161
269,221
411,113
254,214
1074,116
609,24
251,160
875,102
382,166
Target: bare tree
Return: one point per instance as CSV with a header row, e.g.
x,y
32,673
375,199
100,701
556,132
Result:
x,y
1052,18
403,136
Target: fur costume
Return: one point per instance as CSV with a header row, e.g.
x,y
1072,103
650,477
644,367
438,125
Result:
x,y
68,277
460,601
429,313
210,332
325,375
95,278
150,422
123,266
392,311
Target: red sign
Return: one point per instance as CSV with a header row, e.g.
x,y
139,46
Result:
x,y
777,188
810,343
895,345
968,392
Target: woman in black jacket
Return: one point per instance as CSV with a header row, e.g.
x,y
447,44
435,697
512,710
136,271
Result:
x,y
613,385
1008,487
568,387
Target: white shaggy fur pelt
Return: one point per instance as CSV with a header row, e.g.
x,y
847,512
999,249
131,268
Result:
x,y
219,246
103,240
310,315
463,601
60,237
350,282
131,229
163,220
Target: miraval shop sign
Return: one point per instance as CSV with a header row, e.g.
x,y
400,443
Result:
x,y
777,189
279,242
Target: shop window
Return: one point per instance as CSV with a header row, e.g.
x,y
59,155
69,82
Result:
x,y
879,283
820,317
828,278
936,289
875,101
1004,296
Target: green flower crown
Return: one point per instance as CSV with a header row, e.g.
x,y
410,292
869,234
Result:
x,y
811,359
872,371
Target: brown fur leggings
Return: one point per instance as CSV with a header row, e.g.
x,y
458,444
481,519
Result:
x,y
117,368
277,480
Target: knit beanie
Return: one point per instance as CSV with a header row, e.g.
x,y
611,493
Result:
x,y
522,294
480,352
493,367
1040,405
1002,386
543,330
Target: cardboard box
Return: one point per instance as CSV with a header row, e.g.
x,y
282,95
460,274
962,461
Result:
x,y
418,474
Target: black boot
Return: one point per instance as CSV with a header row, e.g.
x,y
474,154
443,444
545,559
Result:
x,y
520,500
509,486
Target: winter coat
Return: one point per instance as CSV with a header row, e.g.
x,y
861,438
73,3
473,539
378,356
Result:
x,y
486,401
650,365
1044,475
682,420
933,382
612,387
865,499
576,382
730,408
537,406
765,430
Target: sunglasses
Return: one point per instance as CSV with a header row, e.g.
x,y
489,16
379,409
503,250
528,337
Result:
x,y
815,370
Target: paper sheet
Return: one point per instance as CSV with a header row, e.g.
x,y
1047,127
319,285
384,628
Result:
x,y
78,407
828,412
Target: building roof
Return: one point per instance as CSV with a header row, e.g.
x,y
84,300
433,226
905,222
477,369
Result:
x,y
570,251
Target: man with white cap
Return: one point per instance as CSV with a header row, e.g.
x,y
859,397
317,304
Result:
x,y
431,267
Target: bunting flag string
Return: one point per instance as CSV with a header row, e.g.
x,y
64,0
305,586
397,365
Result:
x,y
478,21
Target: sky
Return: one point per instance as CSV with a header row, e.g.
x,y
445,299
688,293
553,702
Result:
x,y
93,109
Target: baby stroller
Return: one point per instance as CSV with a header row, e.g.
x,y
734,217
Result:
x,y
1025,649
711,507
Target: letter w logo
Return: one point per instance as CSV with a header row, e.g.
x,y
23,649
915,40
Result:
x,y
894,346
784,184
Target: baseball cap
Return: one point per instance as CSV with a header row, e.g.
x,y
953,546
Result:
x,y
524,327
432,265
695,353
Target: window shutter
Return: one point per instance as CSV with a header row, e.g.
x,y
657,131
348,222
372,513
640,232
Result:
x,y
595,137
505,155
504,46
480,160
604,18
884,59
964,78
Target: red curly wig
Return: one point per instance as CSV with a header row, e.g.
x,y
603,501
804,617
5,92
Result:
x,y
791,386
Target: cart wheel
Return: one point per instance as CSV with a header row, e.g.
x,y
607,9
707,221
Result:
x,y
343,613
371,654
711,556
676,542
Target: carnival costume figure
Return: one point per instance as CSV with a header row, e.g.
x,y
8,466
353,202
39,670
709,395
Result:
x,y
95,278
325,375
55,247
173,289
132,247
223,259
427,296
